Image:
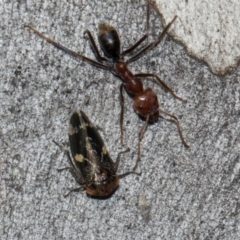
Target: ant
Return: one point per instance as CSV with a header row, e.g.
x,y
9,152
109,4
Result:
x,y
145,101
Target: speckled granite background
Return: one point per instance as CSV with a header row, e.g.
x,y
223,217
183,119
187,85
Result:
x,y
182,193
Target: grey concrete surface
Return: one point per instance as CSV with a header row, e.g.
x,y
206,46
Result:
x,y
208,29
182,193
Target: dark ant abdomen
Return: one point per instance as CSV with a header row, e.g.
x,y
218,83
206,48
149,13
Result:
x,y
109,40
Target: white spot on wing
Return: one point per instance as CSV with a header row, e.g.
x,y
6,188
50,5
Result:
x,y
104,149
79,157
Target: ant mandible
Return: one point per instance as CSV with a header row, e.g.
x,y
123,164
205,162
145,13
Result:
x,y
145,101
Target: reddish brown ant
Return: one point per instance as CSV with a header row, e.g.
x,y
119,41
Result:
x,y
145,101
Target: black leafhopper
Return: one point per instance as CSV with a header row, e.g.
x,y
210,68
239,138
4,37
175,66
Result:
x,y
91,165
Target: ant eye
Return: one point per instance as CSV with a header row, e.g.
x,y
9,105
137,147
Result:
x,y
140,106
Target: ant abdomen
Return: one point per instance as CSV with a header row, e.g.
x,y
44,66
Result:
x,y
109,40
146,104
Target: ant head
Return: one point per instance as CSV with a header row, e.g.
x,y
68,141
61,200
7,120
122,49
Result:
x,y
109,40
146,104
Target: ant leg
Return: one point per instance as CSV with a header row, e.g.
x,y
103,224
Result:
x,y
122,111
118,158
68,51
162,83
94,47
178,126
151,45
74,190
143,38
135,45
129,172
148,16
140,136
